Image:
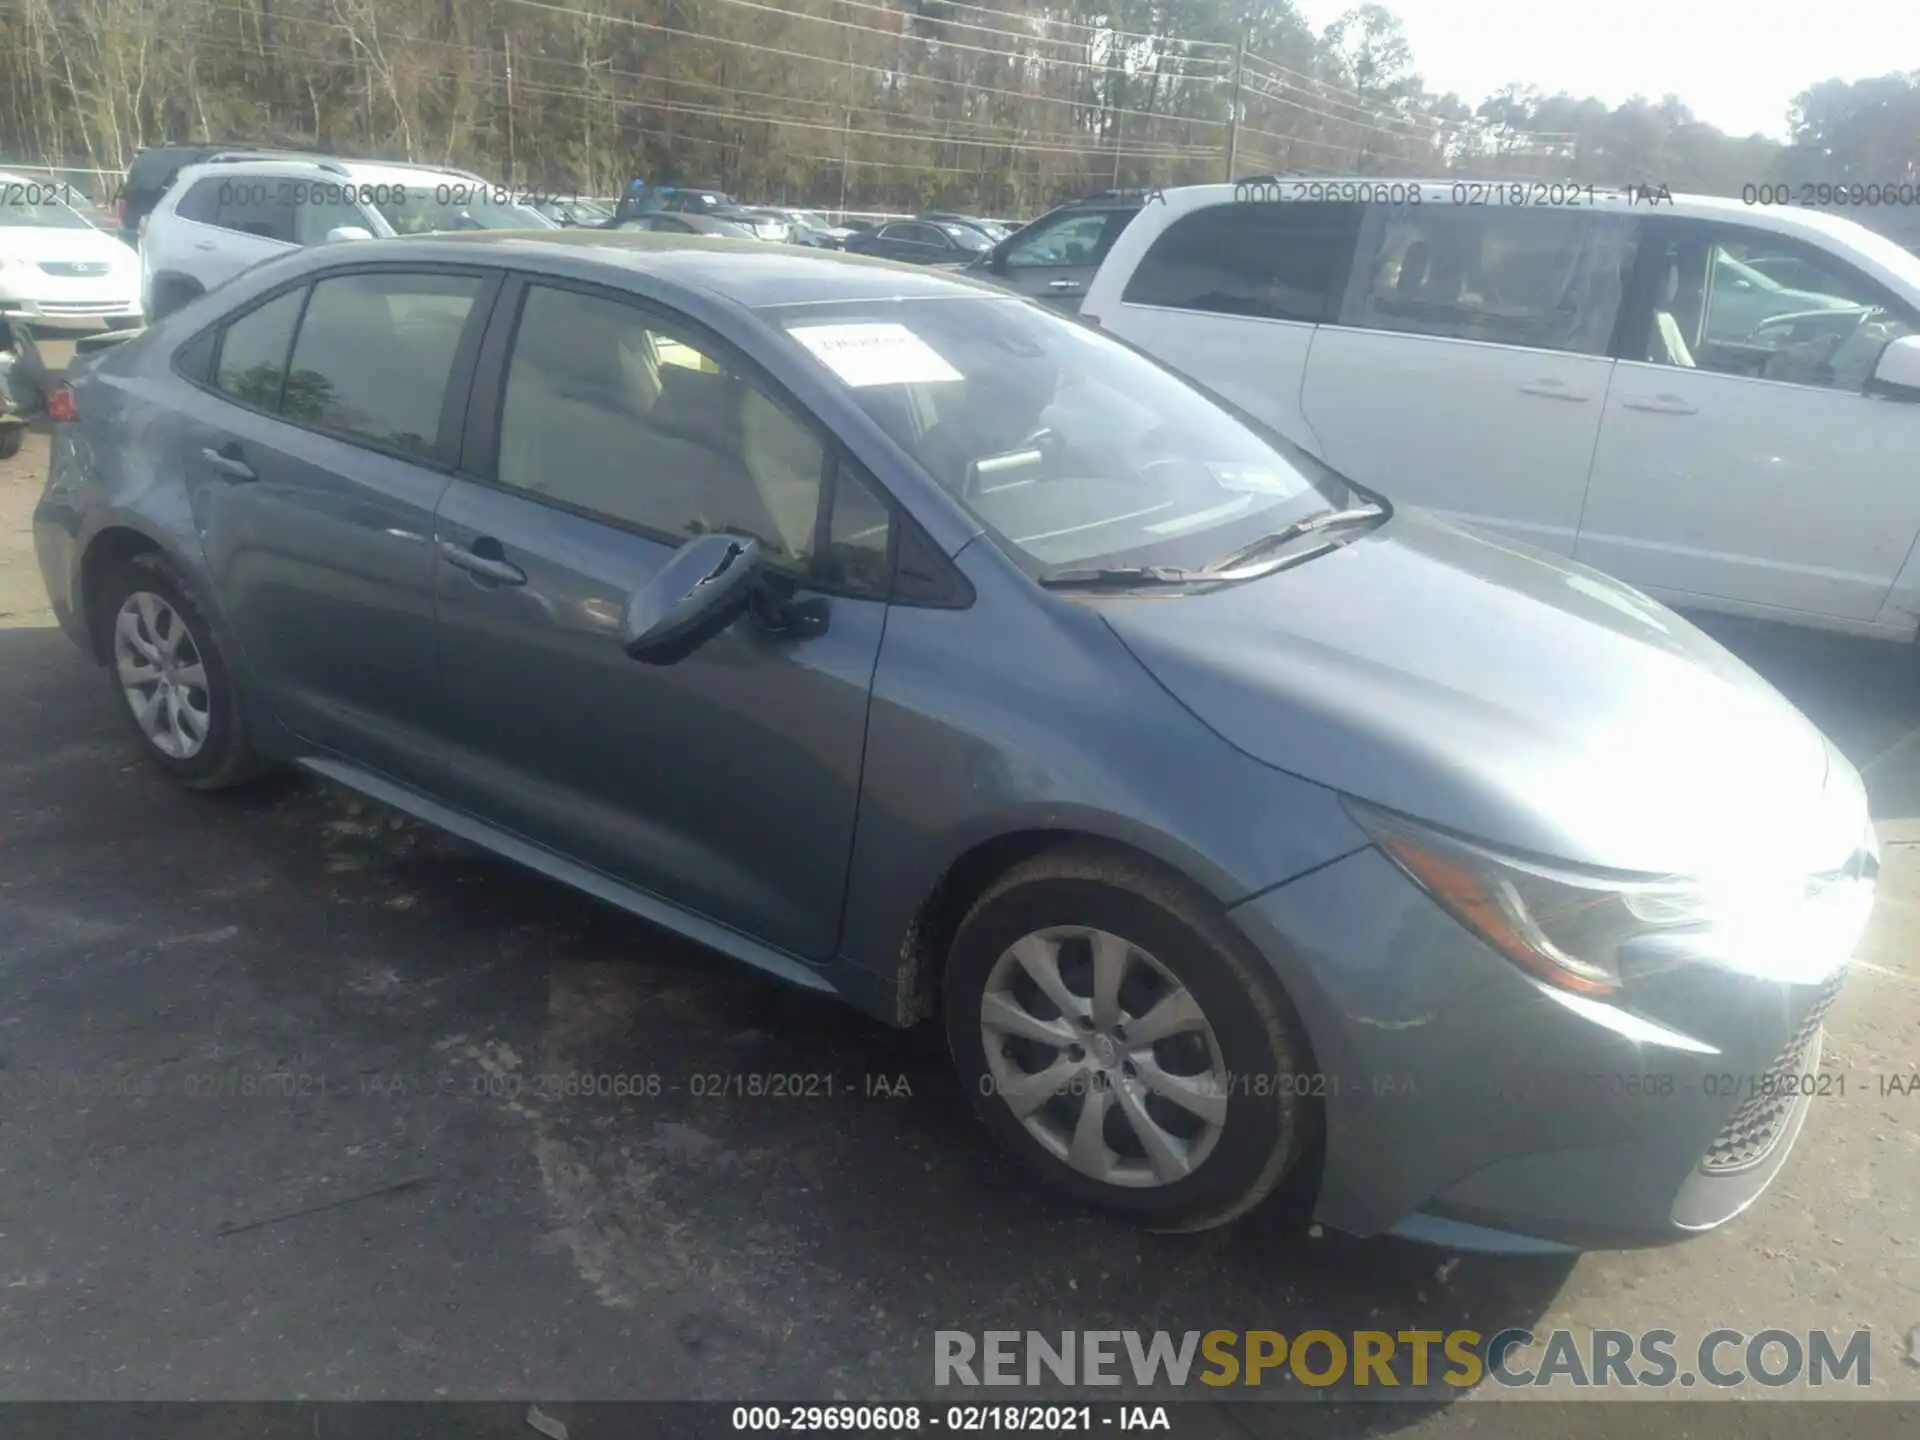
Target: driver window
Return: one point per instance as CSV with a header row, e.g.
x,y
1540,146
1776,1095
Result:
x,y
1750,303
1073,241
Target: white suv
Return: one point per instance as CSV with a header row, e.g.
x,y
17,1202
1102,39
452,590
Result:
x,y
229,214
1711,400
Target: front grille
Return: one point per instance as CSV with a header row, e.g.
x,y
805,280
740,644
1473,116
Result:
x,y
1749,1137
75,267
84,307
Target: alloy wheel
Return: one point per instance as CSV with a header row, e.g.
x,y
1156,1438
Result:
x,y
1104,1056
162,674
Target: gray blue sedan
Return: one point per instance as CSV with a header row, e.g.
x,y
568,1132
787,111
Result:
x,y
911,643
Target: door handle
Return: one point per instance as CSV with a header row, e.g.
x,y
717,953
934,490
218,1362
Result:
x,y
1552,390
494,568
1063,284
1659,404
203,244
228,462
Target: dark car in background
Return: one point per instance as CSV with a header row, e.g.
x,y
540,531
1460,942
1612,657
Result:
x,y
935,652
1055,257
992,229
921,242
641,198
810,227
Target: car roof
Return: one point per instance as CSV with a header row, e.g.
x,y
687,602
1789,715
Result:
x,y
1649,201
749,273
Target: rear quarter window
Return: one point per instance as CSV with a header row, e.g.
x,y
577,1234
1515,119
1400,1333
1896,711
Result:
x,y
1271,260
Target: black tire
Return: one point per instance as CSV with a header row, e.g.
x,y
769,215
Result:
x,y
12,437
1269,1120
224,757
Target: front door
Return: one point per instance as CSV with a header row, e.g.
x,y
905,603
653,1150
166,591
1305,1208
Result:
x,y
1469,363
317,452
1053,259
727,782
1741,460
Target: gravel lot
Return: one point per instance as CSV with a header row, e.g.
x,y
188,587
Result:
x,y
386,1220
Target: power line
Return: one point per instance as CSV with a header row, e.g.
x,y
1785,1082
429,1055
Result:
x,y
902,37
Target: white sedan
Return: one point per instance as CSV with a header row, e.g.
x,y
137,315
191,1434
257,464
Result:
x,y
55,267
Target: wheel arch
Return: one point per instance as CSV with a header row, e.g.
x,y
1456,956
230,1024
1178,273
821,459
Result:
x,y
167,283
117,544
981,863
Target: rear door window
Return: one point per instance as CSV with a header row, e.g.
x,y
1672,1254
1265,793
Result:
x,y
259,207
1542,278
1272,260
201,202
253,352
375,354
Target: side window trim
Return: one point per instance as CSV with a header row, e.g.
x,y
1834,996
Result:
x,y
1353,220
479,450
465,356
209,382
1369,243
1633,333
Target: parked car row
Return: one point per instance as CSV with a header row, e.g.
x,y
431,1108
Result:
x,y
927,648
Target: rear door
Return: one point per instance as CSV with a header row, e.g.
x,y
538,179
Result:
x,y
1231,294
604,434
227,224
1054,258
1740,460
1468,366
318,445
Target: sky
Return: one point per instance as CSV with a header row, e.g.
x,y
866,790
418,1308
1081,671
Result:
x,y
1736,63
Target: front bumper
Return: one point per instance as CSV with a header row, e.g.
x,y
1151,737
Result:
x,y
1468,1104
73,305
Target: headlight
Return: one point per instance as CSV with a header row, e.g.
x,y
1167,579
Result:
x,y
1588,931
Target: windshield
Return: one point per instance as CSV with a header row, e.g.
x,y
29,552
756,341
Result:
x,y
452,205
1071,448
34,207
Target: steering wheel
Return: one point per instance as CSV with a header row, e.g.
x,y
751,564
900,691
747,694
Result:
x,y
1778,322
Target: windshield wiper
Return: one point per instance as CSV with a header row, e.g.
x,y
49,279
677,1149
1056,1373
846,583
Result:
x,y
1125,577
1324,520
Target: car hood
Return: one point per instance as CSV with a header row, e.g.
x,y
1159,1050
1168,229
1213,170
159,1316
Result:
x,y
1506,694
43,242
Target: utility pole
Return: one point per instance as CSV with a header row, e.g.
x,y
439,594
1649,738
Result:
x,y
1233,109
508,37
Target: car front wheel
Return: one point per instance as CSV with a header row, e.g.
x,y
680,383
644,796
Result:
x,y
1114,1032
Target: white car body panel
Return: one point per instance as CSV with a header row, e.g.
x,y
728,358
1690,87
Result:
x,y
56,275
1757,497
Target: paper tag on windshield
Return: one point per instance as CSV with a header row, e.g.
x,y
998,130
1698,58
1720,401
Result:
x,y
1255,479
875,354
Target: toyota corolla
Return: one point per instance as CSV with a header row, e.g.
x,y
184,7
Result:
x,y
922,647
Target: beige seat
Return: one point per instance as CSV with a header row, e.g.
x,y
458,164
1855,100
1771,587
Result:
x,y
784,459
1667,346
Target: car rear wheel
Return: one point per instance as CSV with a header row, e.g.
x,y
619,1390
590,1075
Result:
x,y
12,437
1114,1033
172,684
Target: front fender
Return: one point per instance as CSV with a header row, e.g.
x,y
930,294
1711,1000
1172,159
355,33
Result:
x,y
1017,718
